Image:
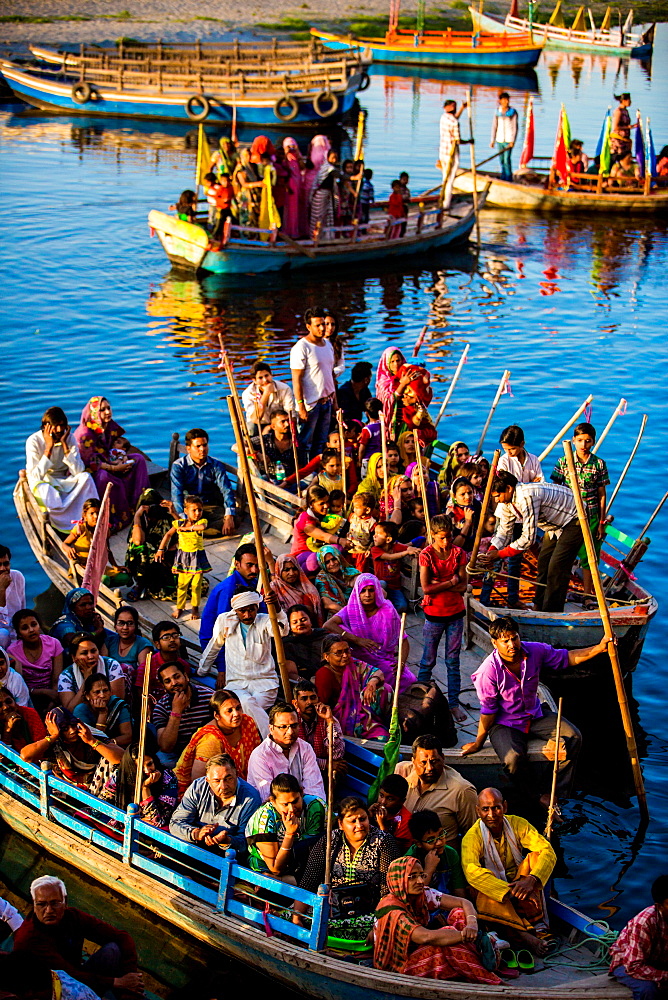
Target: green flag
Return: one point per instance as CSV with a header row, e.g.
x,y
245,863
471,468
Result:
x,y
565,128
390,756
604,162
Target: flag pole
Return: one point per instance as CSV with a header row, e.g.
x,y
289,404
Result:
x,y
295,453
383,448
423,486
628,464
342,446
606,430
330,799
502,384
452,385
139,779
555,440
470,569
469,100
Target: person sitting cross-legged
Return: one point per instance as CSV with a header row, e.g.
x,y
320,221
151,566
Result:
x,y
507,862
197,472
639,956
216,808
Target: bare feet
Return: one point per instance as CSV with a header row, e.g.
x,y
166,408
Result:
x,y
176,613
533,943
194,614
458,713
517,606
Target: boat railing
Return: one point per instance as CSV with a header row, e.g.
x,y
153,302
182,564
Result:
x,y
217,880
459,39
601,37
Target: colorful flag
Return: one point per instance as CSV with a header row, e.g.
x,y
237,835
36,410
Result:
x,y
605,160
587,413
507,390
651,152
203,156
390,757
601,135
565,128
639,147
529,137
99,548
560,157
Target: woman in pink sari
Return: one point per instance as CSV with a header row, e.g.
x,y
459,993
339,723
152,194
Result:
x,y
355,692
387,381
371,623
291,214
110,458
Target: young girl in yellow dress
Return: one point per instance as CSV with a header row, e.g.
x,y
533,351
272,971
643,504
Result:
x,y
191,562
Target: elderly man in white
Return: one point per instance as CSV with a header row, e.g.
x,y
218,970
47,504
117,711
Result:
x,y
250,670
56,473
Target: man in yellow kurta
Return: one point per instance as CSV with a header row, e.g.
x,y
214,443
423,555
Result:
x,y
507,861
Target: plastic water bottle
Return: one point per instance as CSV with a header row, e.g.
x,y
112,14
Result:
x,y
279,473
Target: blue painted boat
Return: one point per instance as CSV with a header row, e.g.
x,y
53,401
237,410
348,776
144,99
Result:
x,y
236,912
441,48
58,92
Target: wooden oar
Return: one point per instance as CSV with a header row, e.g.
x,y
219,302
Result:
x,y
229,372
423,485
295,453
502,385
483,162
330,799
383,448
342,447
636,553
470,569
245,473
621,406
453,383
592,558
139,780
628,464
473,168
555,771
306,251
555,440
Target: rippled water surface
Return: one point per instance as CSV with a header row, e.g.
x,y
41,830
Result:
x,y
570,306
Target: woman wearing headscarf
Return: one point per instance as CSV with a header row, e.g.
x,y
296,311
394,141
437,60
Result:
x,y
158,791
403,941
230,732
247,185
262,146
464,511
413,395
431,488
458,453
371,623
335,580
387,381
324,193
373,481
105,453
356,692
224,160
318,149
79,615
19,724
292,586
152,521
292,223
406,445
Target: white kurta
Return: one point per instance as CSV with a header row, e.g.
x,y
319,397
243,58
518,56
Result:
x,y
60,482
15,600
250,670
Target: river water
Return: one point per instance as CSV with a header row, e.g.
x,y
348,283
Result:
x,y
570,306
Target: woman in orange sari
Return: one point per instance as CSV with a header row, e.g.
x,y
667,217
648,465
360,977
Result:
x,y
404,943
230,732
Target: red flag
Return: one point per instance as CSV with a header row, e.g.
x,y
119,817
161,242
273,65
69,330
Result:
x,y
98,554
529,136
560,157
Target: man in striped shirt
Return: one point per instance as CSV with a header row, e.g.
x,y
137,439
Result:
x,y
448,147
537,505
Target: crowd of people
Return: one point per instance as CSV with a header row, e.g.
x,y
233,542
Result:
x,y
230,761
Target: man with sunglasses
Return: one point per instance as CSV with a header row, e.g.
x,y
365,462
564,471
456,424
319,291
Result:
x,y
283,752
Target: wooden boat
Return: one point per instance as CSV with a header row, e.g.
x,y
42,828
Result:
x,y
578,38
254,251
297,92
500,50
589,195
217,902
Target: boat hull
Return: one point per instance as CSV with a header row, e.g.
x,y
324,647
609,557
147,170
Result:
x,y
513,58
525,197
187,249
56,97
553,40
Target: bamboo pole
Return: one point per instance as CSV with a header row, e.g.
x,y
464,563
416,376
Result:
x,y
423,485
139,780
483,510
555,771
226,364
628,464
245,473
592,558
453,383
383,448
473,168
564,430
621,406
330,799
259,431
342,447
295,454
400,666
497,397
198,163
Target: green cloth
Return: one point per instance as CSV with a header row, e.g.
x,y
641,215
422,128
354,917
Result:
x,y
266,826
449,874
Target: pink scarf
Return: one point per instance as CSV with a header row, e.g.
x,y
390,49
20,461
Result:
x,y
386,383
383,627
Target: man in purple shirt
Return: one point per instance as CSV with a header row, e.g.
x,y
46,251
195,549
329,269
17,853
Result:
x,y
510,710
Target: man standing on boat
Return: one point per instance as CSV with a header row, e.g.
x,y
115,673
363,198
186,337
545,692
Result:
x,y
199,474
448,147
511,714
504,134
312,367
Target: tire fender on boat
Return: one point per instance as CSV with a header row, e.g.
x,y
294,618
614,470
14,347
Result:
x,y
198,107
326,96
82,93
291,107
366,80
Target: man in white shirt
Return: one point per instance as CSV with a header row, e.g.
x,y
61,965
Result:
x,y
312,367
12,595
12,680
56,473
504,134
283,752
250,670
448,147
537,505
263,397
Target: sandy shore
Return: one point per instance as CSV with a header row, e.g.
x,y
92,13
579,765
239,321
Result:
x,y
171,20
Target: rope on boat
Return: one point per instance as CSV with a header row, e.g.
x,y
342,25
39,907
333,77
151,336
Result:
x,y
483,571
601,957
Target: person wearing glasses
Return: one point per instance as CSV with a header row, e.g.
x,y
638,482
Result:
x,y
283,752
440,862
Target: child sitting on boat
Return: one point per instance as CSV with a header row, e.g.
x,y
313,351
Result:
x,y
78,542
191,562
186,206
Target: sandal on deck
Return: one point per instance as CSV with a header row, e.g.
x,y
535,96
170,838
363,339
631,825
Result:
x,y
525,960
509,958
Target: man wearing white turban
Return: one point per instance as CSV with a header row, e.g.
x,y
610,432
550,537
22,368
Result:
x,y
250,670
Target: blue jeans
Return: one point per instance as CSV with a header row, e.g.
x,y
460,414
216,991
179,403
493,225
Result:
x,y
397,599
314,431
506,167
432,633
514,569
642,989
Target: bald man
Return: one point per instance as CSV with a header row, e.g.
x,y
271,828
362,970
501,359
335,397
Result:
x,y
250,670
508,862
